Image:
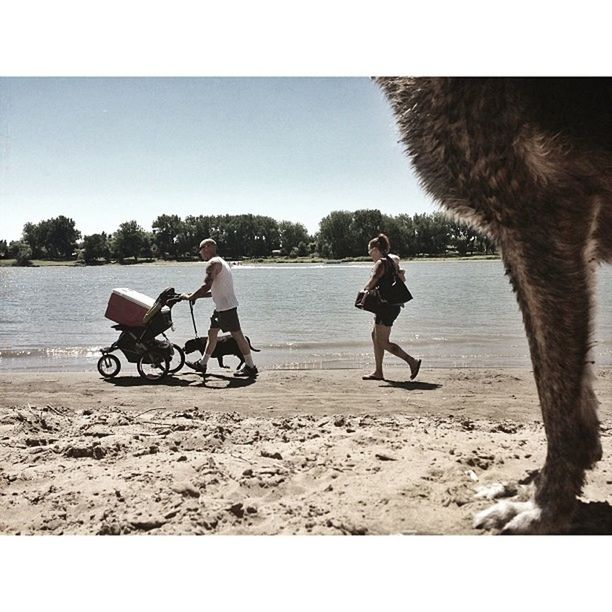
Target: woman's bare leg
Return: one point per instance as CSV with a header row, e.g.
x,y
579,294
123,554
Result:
x,y
379,353
382,333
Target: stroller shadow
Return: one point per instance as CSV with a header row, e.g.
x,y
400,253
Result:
x,y
175,381
137,381
411,385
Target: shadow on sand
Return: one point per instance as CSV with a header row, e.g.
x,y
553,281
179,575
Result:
x,y
410,385
179,381
137,381
232,382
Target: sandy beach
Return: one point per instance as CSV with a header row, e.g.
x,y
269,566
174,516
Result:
x,y
295,452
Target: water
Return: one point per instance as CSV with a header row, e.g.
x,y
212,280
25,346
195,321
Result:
x,y
464,314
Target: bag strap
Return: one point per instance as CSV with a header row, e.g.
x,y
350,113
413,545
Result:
x,y
393,268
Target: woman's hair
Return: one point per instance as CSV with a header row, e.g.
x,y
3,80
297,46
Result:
x,y
381,242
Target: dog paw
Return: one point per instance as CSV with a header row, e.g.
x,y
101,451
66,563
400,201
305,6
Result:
x,y
521,518
501,514
496,490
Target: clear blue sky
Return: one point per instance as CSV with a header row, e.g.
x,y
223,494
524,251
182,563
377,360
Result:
x,y
107,150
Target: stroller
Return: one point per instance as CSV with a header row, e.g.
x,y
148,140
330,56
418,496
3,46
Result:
x,y
140,320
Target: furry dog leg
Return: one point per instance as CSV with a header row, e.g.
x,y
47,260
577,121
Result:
x,y
529,162
552,275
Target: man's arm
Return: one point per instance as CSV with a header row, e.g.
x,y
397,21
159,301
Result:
x,y
204,291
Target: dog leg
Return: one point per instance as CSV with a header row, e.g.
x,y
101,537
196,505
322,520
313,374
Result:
x,y
551,270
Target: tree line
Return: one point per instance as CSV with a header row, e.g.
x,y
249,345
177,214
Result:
x,y
341,235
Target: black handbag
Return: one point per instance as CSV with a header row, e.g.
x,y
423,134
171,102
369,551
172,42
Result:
x,y
369,300
397,292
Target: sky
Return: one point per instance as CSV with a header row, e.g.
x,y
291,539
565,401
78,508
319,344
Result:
x,y
107,150
104,150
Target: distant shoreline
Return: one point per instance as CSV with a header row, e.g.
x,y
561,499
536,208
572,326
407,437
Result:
x,y
43,263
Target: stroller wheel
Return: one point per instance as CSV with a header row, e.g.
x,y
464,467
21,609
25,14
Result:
x,y
178,359
153,366
109,366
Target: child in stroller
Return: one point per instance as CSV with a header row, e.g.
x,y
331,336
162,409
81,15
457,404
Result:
x,y
154,357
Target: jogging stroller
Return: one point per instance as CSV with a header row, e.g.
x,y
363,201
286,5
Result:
x,y
140,320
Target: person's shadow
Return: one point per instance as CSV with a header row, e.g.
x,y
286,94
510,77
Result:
x,y
410,385
232,382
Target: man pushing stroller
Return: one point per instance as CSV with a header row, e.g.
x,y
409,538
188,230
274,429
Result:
x,y
219,284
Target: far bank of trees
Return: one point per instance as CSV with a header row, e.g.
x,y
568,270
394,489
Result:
x,y
345,234
342,234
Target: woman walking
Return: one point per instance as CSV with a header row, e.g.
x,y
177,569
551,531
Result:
x,y
386,266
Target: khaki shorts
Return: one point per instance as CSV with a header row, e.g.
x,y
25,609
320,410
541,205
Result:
x,y
226,320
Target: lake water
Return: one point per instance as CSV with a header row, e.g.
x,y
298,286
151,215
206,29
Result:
x,y
464,314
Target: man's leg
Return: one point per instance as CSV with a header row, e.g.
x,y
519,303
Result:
x,y
230,322
213,332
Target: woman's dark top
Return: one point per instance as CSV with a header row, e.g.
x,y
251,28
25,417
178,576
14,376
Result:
x,y
388,277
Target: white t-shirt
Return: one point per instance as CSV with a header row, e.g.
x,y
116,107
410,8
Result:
x,y
222,289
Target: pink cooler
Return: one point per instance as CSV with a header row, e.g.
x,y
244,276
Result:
x,y
128,307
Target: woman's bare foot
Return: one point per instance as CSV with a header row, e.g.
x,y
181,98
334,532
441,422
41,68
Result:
x,y
373,376
414,371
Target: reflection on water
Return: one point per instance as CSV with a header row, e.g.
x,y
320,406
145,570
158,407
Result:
x,y
464,314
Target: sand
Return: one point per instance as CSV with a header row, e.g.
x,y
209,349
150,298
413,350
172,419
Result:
x,y
295,452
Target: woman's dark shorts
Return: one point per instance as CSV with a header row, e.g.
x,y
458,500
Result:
x,y
387,314
226,320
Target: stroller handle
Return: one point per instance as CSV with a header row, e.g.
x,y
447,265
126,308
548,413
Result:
x,y
168,297
173,300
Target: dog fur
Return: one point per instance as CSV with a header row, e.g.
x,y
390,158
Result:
x,y
529,162
226,345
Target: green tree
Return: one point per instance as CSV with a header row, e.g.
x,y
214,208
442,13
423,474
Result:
x,y
463,238
334,238
60,237
431,234
167,229
485,245
194,230
245,235
53,238
95,247
403,236
291,235
3,249
148,242
267,236
365,225
236,235
128,241
32,236
22,253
